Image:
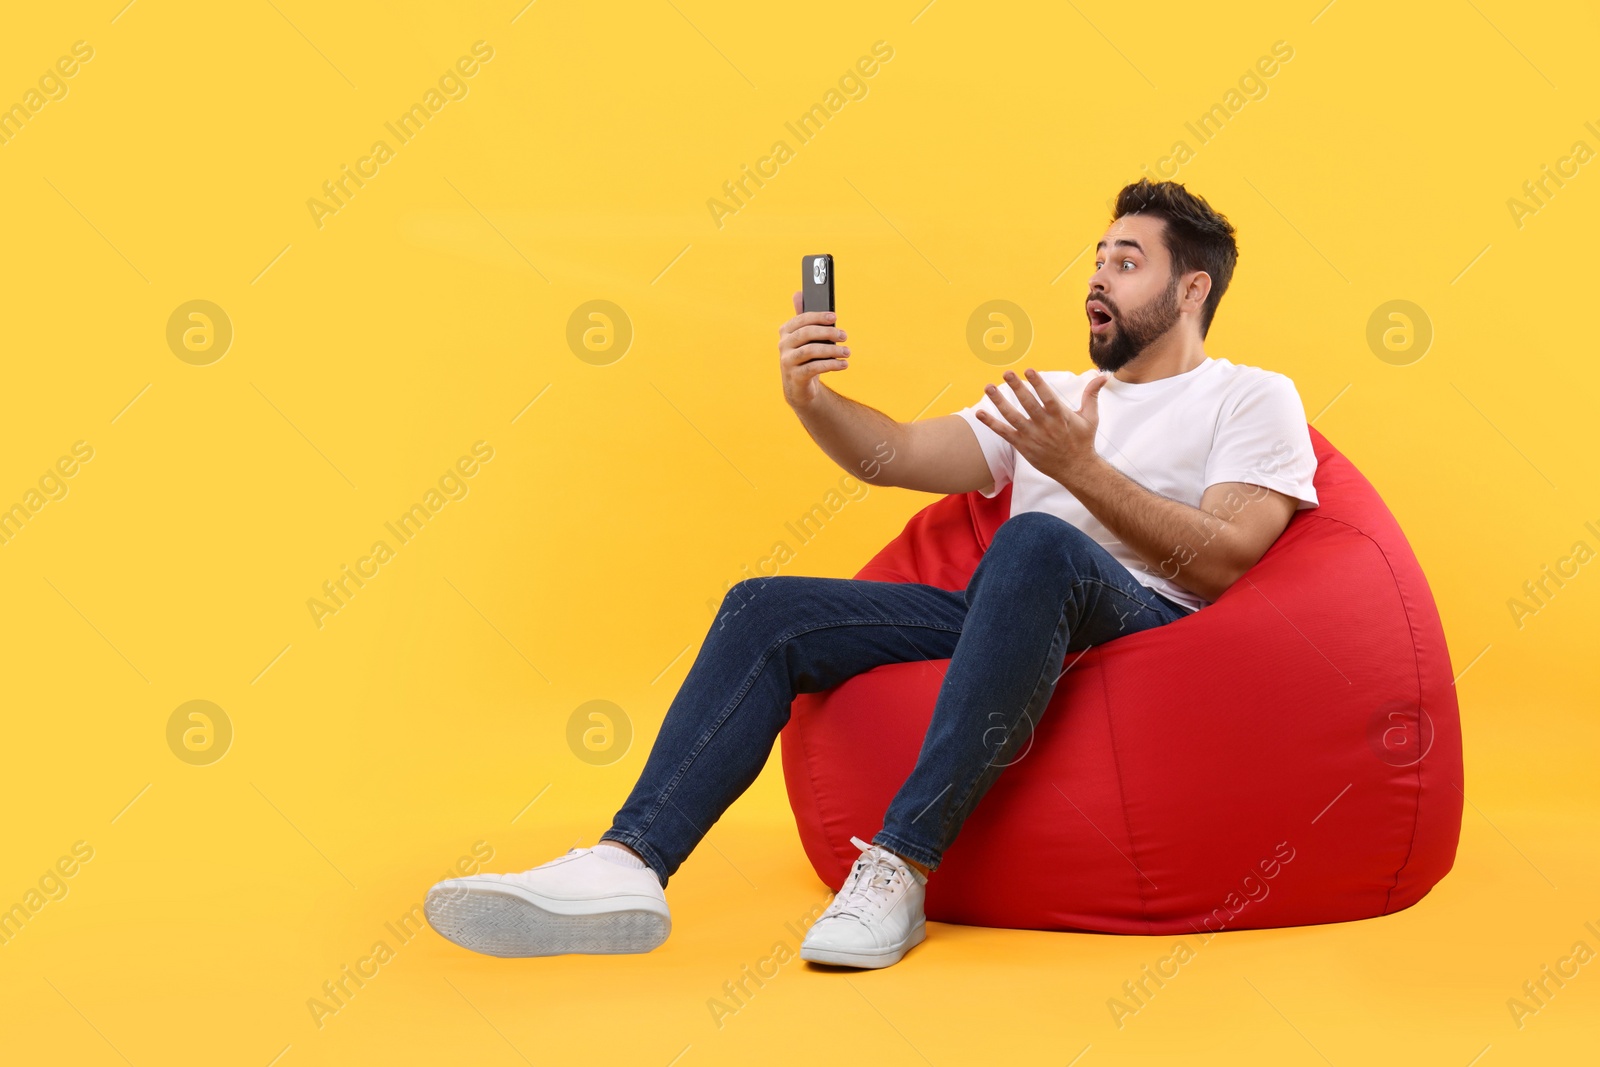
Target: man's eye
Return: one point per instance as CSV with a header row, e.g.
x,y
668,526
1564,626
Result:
x,y
1126,261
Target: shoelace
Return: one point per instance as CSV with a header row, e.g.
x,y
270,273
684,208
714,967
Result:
x,y
867,889
558,859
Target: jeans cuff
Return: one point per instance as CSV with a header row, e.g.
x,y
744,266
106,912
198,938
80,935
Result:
x,y
889,841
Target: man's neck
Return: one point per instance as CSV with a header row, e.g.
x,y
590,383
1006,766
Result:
x,y
1169,356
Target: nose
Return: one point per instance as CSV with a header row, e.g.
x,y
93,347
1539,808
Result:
x,y
1097,283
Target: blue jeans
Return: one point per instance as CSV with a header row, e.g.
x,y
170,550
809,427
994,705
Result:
x,y
1042,591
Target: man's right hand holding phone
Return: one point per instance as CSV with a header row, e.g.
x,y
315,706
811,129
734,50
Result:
x,y
808,348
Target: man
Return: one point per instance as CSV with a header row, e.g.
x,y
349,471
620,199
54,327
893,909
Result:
x,y
1141,492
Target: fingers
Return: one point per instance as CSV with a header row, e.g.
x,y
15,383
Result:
x,y
1025,397
811,368
1031,401
1048,399
999,426
808,318
815,333
1004,406
810,342
806,353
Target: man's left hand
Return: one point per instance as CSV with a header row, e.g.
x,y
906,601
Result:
x,y
1052,436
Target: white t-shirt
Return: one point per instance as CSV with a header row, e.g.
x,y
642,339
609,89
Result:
x,y
1218,422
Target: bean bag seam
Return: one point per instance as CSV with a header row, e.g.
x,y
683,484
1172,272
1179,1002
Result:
x,y
1411,628
1111,730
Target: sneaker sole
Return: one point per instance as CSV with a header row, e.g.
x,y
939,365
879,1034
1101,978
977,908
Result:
x,y
882,958
500,922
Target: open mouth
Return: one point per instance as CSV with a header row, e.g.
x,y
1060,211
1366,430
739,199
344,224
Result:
x,y
1098,320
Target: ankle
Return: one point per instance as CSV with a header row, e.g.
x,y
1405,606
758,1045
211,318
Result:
x,y
909,862
618,845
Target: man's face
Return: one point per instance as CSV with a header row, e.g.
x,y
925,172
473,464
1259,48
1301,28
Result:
x,y
1133,295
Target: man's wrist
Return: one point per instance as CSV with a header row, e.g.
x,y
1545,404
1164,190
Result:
x,y
818,400
1083,473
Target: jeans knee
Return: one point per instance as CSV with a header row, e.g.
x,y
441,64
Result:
x,y
743,595
1033,551
1039,535
763,603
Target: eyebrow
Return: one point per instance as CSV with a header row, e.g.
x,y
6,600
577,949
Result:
x,y
1121,241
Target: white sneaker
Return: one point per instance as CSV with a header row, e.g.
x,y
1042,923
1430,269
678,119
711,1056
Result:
x,y
580,902
875,918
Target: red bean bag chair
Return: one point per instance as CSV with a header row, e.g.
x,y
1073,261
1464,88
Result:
x,y
1289,754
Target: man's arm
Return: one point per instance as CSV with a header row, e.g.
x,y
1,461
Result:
x,y
930,455
1203,549
938,455
859,438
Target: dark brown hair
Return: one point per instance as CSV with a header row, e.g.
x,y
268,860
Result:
x,y
1197,236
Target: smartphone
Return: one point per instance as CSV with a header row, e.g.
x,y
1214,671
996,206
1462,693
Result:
x,y
816,285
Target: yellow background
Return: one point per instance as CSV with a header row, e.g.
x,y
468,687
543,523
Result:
x,y
432,710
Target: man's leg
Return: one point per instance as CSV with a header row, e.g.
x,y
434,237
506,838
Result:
x,y
773,639
1043,590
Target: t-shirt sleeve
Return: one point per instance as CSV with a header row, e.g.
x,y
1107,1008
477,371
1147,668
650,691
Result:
x,y
1002,457
1263,439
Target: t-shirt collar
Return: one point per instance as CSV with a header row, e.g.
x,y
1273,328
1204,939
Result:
x,y
1139,389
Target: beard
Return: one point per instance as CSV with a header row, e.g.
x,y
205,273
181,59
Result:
x,y
1130,335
